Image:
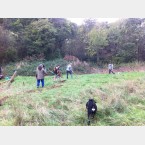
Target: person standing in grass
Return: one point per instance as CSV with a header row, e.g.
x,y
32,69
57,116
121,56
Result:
x,y
40,74
110,68
69,70
56,72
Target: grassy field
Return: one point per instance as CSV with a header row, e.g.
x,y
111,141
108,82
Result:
x,y
120,100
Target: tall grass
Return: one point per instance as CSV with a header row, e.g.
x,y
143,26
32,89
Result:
x,y
120,100
28,68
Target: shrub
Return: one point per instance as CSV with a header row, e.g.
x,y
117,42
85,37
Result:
x,y
28,68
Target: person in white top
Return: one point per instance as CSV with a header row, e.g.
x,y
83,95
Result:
x,y
69,70
110,68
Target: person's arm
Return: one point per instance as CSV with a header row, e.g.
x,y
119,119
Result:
x,y
44,70
36,74
71,69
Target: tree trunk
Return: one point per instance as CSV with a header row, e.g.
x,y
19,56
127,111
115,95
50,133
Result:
x,y
98,57
12,78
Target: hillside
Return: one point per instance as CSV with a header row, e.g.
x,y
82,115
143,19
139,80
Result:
x,y
120,99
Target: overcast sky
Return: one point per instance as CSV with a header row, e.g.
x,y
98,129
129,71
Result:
x,y
79,21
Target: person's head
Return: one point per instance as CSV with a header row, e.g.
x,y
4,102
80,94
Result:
x,y
40,67
57,67
70,64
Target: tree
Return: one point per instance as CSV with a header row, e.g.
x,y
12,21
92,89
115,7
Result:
x,y
7,43
97,40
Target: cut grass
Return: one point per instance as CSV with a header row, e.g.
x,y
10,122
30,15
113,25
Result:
x,y
120,99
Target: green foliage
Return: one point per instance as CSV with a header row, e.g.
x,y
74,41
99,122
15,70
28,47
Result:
x,y
122,41
28,68
97,40
7,49
127,53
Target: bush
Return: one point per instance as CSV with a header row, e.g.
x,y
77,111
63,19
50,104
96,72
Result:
x,y
28,68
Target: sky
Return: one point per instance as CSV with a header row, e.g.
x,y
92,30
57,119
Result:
x,y
79,21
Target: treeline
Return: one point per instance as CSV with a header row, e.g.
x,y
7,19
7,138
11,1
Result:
x,y
51,38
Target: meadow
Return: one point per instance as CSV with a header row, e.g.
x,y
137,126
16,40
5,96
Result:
x,y
120,100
